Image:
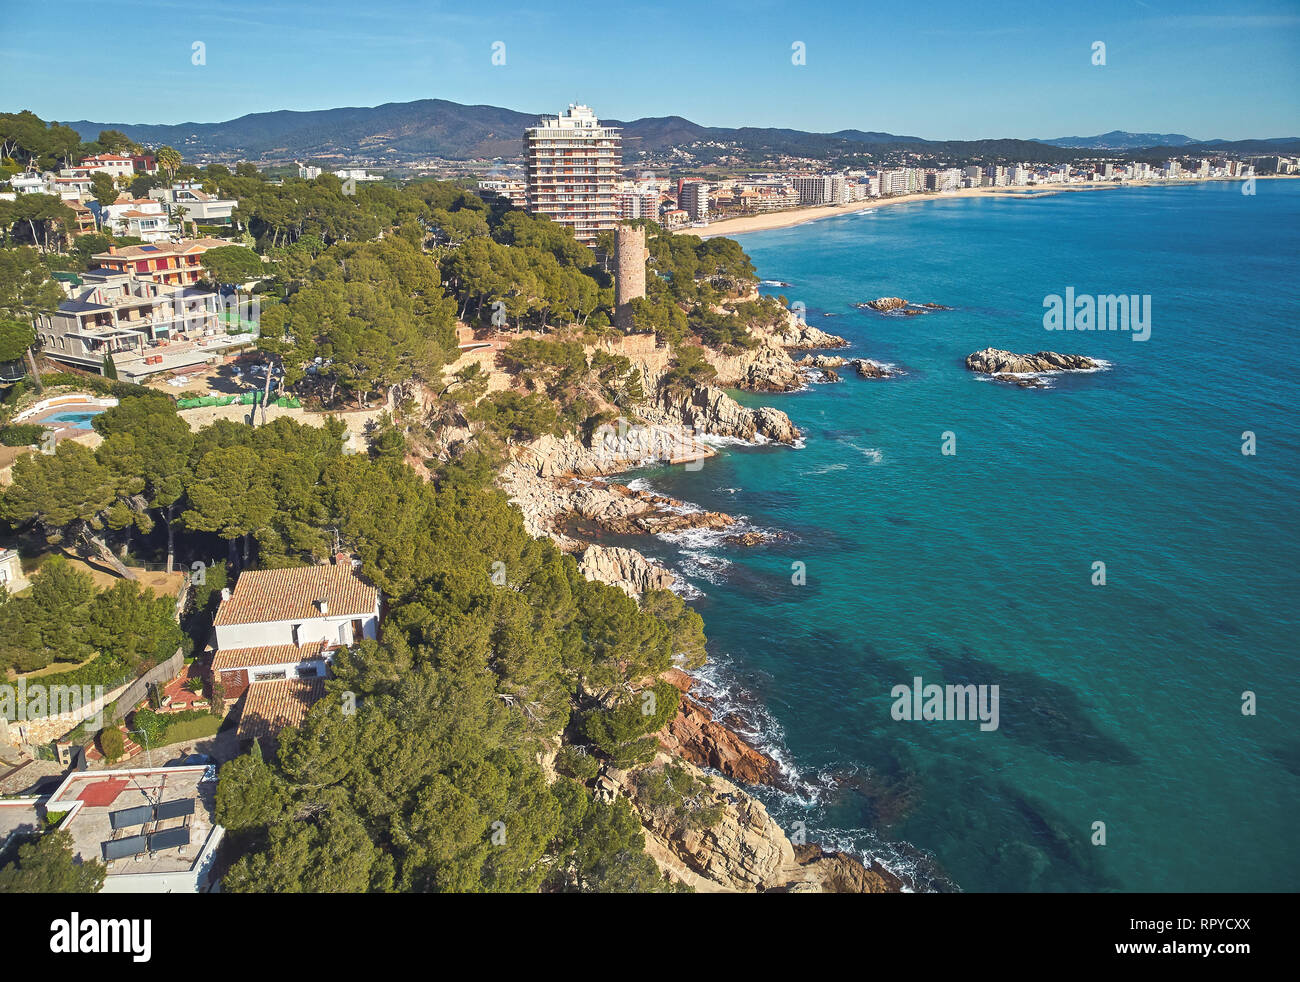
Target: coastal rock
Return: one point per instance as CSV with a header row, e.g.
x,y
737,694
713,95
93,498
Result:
x,y
766,367
870,369
1025,382
710,411
838,872
626,569
822,361
744,851
694,735
995,361
798,334
831,375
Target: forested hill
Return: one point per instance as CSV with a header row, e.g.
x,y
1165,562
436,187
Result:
x,y
438,128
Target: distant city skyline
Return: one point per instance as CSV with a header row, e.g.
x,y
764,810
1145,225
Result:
x,y
1027,74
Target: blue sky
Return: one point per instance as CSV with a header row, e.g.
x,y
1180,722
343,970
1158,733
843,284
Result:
x,y
938,69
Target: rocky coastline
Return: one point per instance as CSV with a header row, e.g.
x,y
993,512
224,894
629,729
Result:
x,y
561,487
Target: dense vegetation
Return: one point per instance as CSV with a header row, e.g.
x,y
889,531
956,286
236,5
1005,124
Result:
x,y
428,765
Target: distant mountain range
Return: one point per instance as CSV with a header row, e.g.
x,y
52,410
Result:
x,y
1123,140
438,128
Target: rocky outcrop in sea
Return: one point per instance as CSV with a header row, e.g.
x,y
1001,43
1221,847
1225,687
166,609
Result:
x,y
995,361
867,368
897,305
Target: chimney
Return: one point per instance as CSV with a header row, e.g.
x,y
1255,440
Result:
x,y
112,250
323,605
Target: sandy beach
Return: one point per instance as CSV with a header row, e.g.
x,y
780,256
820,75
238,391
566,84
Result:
x,y
799,216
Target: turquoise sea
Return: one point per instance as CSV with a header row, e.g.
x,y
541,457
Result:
x,y
1119,704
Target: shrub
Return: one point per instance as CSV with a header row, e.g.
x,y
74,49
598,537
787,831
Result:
x,y
112,743
573,763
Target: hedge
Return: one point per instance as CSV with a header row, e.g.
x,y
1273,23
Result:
x,y
21,434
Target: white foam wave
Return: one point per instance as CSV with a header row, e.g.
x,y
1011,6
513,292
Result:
x,y
828,469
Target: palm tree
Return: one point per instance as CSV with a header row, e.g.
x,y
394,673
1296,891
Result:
x,y
168,159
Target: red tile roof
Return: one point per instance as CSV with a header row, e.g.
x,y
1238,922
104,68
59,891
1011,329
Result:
x,y
230,659
268,595
159,250
271,706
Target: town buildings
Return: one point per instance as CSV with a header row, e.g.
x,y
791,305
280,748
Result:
x,y
571,167
693,198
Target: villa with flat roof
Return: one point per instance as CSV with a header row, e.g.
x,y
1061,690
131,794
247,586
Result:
x,y
154,828
147,327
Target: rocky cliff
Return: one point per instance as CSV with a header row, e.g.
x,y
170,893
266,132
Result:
x,y
743,850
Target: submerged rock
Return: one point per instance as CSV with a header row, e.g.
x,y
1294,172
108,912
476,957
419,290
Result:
x,y
892,305
1025,382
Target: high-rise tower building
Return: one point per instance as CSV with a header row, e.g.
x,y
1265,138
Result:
x,y
572,168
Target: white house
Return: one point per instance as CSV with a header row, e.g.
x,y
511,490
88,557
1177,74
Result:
x,y
284,624
112,164
200,207
11,571
142,217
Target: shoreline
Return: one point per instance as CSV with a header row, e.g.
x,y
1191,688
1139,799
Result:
x,y
771,221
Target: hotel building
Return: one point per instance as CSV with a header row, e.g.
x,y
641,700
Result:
x,y
572,167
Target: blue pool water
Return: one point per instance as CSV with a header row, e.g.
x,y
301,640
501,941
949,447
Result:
x,y
78,421
1119,704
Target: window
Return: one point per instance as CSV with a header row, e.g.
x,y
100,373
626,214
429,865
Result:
x,y
270,676
308,671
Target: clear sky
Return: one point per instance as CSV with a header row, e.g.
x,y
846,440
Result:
x,y
937,69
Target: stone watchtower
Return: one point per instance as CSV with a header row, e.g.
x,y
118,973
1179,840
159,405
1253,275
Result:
x,y
630,255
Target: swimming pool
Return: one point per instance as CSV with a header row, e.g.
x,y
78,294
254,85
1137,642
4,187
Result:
x,y
77,420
